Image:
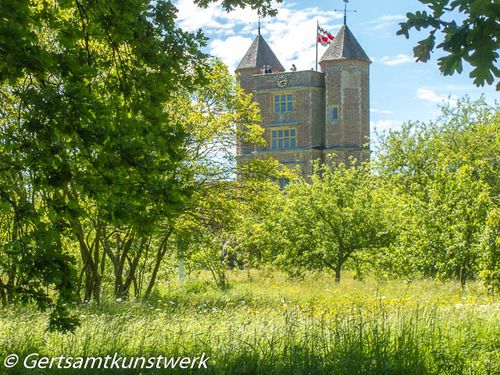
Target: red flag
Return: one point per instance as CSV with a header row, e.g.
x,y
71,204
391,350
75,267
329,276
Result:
x,y
324,37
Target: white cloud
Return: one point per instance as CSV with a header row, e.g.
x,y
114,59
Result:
x,y
386,21
231,33
432,97
381,111
192,18
230,50
396,60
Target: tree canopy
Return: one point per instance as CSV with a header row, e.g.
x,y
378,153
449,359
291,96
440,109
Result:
x,y
90,150
471,33
265,7
326,222
447,177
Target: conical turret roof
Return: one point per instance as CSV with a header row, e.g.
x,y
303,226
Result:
x,y
345,47
260,54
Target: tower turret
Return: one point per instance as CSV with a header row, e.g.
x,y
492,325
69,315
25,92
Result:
x,y
347,103
258,55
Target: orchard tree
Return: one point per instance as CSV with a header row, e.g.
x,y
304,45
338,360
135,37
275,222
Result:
x,y
259,232
206,234
447,227
217,231
333,219
474,37
447,175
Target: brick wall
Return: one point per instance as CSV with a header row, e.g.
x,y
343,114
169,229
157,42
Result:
x,y
343,85
347,88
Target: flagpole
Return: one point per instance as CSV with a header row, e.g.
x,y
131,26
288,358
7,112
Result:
x,y
317,28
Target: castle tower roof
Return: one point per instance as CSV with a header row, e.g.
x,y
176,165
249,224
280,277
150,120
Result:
x,y
345,47
258,55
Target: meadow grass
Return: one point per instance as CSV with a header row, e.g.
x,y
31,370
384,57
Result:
x,y
268,324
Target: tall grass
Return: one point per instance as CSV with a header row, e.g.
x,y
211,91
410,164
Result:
x,y
267,324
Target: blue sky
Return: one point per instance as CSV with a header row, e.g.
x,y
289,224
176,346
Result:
x,y
401,89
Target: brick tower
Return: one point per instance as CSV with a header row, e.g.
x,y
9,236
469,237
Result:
x,y
308,115
347,97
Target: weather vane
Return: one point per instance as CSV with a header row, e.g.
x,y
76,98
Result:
x,y
345,11
259,21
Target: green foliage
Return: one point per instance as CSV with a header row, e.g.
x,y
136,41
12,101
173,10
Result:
x,y
489,257
94,161
83,129
447,177
218,233
475,40
331,220
205,235
209,115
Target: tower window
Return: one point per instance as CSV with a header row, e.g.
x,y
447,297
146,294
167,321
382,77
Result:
x,y
334,113
283,103
283,138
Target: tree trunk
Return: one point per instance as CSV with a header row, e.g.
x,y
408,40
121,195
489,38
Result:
x,y
11,282
91,280
462,275
159,257
133,265
162,250
181,269
118,259
89,253
338,268
3,294
91,269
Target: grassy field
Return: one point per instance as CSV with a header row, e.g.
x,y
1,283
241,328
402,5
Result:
x,y
267,324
